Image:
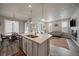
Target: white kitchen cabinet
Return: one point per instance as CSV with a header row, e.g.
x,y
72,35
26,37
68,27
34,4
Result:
x,y
29,47
34,49
24,46
36,46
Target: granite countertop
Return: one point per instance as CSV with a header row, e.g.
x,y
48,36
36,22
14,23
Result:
x,y
40,39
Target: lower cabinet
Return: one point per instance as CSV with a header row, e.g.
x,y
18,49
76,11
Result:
x,y
34,49
24,46
29,48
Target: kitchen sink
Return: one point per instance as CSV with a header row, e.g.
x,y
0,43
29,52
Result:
x,y
32,36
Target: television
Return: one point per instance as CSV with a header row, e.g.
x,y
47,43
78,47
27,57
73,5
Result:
x,y
73,23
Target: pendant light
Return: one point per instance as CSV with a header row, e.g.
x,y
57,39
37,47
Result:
x,y
29,6
42,13
30,19
13,21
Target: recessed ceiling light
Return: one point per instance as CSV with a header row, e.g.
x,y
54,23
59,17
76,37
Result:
x,y
29,6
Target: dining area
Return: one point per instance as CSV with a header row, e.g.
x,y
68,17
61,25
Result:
x,y
10,43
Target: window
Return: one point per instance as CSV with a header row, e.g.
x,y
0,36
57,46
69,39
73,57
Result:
x,y
16,27
39,28
11,26
50,27
65,26
26,27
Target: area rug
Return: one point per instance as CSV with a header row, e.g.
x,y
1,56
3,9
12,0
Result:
x,y
60,42
19,53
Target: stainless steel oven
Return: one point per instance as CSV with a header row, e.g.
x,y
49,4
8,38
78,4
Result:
x,y
74,33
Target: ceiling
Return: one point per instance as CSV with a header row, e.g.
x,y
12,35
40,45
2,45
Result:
x,y
52,11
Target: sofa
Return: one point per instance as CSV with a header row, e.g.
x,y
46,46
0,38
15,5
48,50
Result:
x,y
60,34
56,34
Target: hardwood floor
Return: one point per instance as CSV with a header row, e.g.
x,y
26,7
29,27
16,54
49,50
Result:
x,y
58,47
8,49
72,46
57,50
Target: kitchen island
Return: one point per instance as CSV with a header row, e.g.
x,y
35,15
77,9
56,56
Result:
x,y
36,44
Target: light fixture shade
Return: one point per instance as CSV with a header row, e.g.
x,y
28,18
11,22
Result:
x,y
42,11
30,22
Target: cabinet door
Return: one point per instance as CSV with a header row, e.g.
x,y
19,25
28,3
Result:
x,y
20,43
42,49
25,46
29,47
